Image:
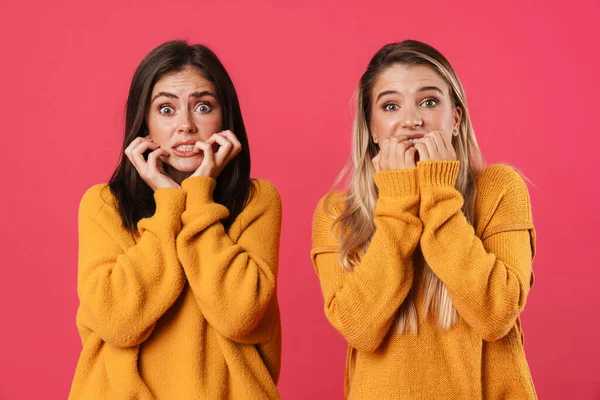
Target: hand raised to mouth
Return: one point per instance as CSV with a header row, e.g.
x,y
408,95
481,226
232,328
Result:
x,y
219,150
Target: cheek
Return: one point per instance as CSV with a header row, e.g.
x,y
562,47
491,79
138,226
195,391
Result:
x,y
441,121
159,131
209,125
384,124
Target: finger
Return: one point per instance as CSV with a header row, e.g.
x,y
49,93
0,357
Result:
x,y
432,149
137,156
230,135
438,139
201,146
383,154
150,170
225,146
209,161
409,157
142,141
163,158
375,161
211,139
142,146
132,145
400,151
207,166
153,162
237,146
213,142
422,150
449,152
447,140
392,161
160,165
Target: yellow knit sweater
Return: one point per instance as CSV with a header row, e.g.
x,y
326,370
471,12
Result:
x,y
486,270
185,310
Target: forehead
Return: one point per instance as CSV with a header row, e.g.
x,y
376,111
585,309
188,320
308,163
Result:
x,y
189,78
408,79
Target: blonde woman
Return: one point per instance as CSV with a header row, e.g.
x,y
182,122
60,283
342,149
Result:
x,y
425,259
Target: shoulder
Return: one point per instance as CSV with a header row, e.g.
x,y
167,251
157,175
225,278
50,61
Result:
x,y
263,201
501,182
263,204
332,204
264,194
265,190
500,179
95,199
329,208
502,198
99,209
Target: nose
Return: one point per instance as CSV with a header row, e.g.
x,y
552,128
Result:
x,y
411,118
186,123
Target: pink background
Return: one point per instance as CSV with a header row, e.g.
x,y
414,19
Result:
x,y
531,71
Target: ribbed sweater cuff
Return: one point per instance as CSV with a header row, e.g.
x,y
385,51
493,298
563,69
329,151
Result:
x,y
397,183
438,173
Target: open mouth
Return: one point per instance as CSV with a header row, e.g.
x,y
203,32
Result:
x,y
185,150
185,147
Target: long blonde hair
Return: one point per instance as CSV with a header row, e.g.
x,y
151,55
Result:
x,y
355,224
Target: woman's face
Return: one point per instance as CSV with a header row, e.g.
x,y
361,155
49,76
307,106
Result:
x,y
183,110
411,101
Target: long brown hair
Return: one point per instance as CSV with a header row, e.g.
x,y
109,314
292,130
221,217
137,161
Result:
x,y
134,197
356,219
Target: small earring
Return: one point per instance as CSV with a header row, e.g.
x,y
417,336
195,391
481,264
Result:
x,y
455,131
375,139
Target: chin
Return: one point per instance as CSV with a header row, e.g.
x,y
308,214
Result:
x,y
188,165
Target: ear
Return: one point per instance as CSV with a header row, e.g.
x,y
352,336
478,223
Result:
x,y
457,118
373,135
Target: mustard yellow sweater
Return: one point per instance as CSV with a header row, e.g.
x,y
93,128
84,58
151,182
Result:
x,y
486,270
185,310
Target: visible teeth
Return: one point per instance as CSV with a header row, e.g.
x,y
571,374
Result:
x,y
185,147
413,141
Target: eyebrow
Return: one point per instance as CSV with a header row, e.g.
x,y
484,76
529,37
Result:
x,y
172,96
434,88
423,89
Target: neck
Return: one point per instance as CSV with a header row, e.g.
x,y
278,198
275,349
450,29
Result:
x,y
178,176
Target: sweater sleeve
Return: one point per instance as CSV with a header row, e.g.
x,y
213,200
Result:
x,y
125,287
233,278
361,304
487,278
